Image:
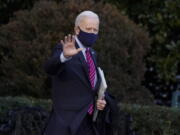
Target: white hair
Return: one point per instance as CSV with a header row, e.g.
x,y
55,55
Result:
x,y
85,14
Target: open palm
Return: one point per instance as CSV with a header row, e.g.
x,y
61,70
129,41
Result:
x,y
69,48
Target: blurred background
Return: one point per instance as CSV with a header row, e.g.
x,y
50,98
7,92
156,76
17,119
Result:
x,y
138,49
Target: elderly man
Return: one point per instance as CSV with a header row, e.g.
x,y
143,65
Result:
x,y
75,80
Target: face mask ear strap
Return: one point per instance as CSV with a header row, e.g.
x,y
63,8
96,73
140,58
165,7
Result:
x,y
79,28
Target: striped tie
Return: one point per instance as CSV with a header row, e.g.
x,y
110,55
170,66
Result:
x,y
92,73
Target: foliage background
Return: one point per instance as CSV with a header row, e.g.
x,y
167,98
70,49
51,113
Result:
x,y
162,20
27,40
135,36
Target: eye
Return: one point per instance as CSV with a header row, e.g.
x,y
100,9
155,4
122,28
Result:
x,y
95,30
88,28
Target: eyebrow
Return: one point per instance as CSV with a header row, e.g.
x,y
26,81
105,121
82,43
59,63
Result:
x,y
91,27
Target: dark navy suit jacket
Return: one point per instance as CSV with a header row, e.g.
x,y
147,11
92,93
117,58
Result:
x,y
71,92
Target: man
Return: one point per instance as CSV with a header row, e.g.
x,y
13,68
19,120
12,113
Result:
x,y
75,80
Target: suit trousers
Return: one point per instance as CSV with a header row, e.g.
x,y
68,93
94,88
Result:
x,y
87,127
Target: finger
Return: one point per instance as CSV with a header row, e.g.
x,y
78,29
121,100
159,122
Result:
x,y
69,38
65,39
100,101
62,42
98,105
79,49
100,108
104,101
101,105
73,39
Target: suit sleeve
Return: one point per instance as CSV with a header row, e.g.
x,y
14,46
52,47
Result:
x,y
54,65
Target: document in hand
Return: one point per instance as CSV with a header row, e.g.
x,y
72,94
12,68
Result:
x,y
101,91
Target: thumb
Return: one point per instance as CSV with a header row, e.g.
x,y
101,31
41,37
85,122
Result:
x,y
103,97
79,49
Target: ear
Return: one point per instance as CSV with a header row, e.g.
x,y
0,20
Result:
x,y
76,30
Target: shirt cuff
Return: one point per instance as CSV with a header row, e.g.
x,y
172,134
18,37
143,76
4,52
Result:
x,y
63,58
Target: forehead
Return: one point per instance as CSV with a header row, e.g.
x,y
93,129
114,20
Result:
x,y
89,22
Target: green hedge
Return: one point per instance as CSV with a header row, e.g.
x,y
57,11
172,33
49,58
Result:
x,y
154,120
146,120
23,116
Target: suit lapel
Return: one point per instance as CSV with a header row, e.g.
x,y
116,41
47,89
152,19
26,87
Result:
x,y
85,68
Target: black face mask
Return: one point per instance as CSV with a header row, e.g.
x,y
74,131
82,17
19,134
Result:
x,y
87,39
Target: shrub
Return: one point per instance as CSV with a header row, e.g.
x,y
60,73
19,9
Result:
x,y
23,116
133,118
8,7
162,19
153,120
27,40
